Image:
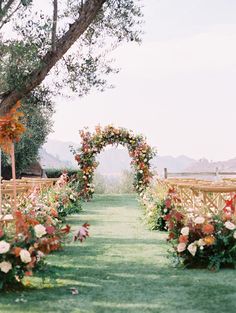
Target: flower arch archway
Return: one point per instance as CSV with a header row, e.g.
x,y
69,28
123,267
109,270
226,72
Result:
x,y
93,143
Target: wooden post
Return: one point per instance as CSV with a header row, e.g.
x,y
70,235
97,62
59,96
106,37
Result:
x,y
165,173
13,164
0,181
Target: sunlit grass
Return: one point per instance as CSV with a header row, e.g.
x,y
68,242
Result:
x,y
122,268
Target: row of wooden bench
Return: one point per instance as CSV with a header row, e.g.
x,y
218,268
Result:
x,y
202,194
24,187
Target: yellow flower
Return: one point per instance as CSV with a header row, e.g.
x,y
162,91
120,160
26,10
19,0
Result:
x,y
209,240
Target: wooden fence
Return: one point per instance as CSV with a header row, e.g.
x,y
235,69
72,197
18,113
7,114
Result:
x,y
217,174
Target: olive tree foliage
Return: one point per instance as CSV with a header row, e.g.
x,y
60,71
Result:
x,y
37,106
70,40
42,53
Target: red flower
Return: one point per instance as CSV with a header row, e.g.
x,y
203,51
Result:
x,y
66,229
208,229
171,236
178,216
167,217
183,239
168,203
1,233
171,225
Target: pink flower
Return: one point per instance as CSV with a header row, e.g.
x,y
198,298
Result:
x,y
50,230
82,233
4,247
229,225
192,248
199,220
181,247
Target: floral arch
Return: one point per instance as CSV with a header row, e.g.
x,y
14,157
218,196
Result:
x,y
93,143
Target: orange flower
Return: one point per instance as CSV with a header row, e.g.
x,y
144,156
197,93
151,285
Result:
x,y
209,240
208,229
11,128
54,213
183,239
16,251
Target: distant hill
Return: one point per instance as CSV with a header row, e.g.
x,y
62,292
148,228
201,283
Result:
x,y
113,160
173,164
49,161
60,150
203,165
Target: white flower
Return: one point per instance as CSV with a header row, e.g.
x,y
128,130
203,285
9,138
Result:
x,y
8,217
185,231
192,248
201,243
181,247
40,255
4,247
25,256
5,267
40,230
72,197
230,225
199,220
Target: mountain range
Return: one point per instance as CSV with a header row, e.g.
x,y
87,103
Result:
x,y
112,161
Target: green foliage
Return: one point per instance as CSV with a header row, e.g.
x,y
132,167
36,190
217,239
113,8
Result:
x,y
157,220
157,206
56,173
20,59
68,202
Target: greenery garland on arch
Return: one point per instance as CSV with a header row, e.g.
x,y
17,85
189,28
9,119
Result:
x,y
93,143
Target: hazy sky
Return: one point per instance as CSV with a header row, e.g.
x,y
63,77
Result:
x,y
177,88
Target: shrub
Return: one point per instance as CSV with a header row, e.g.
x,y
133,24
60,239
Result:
x,y
56,173
157,204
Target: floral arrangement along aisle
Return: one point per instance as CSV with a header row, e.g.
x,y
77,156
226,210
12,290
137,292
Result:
x,y
157,204
205,239
36,229
92,144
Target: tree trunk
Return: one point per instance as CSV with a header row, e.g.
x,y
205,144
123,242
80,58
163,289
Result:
x,y
88,13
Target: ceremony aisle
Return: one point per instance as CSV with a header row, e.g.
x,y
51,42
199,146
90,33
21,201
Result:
x,y
121,268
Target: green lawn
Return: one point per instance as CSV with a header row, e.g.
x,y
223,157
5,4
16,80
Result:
x,y
122,268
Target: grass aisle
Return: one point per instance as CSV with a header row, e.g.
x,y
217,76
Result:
x,y
122,268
